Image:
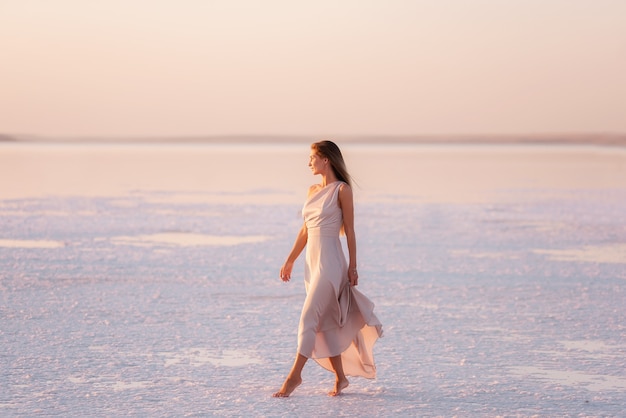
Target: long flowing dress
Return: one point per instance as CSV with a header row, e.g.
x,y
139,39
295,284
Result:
x,y
336,318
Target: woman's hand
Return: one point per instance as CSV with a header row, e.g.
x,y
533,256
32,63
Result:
x,y
353,276
285,271
298,246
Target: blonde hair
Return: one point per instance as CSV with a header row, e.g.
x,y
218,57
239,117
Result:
x,y
330,150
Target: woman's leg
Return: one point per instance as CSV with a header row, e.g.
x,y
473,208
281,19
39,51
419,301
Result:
x,y
293,379
341,382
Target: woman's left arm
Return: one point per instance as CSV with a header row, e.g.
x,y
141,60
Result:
x,y
346,202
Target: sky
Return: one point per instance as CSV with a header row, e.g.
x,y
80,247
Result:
x,y
326,67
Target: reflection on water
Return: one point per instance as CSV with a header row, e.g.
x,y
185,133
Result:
x,y
594,382
182,239
590,346
236,174
484,254
590,352
25,243
615,253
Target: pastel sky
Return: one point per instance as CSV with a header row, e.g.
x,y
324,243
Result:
x,y
323,67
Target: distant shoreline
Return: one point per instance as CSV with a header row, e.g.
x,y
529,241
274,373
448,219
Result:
x,y
531,139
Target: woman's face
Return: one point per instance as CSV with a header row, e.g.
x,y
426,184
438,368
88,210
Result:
x,y
317,163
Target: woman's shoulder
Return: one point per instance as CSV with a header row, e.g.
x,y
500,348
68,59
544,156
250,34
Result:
x,y
314,188
344,187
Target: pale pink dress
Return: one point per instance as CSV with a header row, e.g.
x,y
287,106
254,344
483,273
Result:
x,y
336,318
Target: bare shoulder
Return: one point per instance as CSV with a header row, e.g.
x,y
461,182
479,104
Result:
x,y
345,186
345,195
345,189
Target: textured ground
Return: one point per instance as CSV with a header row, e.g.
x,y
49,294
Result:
x,y
165,303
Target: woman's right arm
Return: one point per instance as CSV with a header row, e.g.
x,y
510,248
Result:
x,y
298,246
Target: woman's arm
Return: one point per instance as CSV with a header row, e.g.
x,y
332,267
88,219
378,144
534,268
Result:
x,y
346,202
298,246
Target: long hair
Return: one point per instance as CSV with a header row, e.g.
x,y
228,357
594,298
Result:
x,y
330,150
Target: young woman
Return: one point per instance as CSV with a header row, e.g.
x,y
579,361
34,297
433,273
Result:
x,y
338,327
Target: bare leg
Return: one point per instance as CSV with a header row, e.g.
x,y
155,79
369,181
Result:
x,y
293,379
341,382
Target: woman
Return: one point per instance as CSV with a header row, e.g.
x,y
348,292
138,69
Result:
x,y
338,327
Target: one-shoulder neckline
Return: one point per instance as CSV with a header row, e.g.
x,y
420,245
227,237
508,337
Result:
x,y
321,188
332,182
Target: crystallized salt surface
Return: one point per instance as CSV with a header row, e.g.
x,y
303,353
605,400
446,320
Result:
x,y
137,304
26,243
186,239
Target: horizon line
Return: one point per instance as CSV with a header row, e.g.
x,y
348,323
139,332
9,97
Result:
x,y
592,138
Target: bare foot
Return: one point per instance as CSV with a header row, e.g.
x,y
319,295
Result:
x,y
339,386
289,386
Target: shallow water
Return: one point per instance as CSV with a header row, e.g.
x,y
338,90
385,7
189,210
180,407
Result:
x,y
147,292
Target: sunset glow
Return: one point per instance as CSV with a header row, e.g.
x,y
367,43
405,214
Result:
x,y
162,68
